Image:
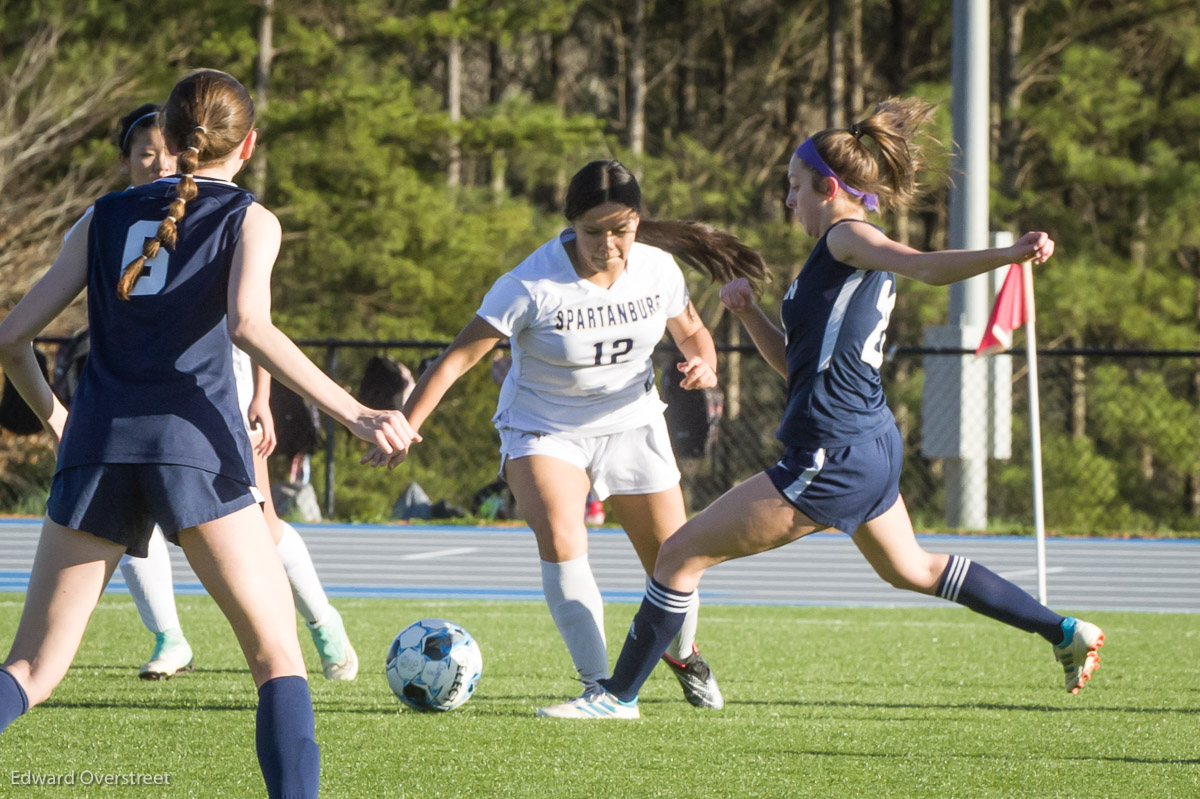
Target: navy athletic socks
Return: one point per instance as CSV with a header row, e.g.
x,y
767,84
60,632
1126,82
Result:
x,y
986,592
656,623
13,701
286,739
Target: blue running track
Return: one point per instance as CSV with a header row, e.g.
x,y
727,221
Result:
x,y
444,562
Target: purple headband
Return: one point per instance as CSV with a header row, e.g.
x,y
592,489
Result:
x,y
807,152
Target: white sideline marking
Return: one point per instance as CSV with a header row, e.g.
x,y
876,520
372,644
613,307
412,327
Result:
x,y
438,553
1031,572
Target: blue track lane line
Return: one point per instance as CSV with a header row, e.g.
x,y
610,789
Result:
x,y
18,582
420,529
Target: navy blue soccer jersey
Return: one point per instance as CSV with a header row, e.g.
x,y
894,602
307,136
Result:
x,y
835,320
158,383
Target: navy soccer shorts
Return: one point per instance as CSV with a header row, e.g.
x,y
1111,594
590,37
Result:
x,y
123,501
845,486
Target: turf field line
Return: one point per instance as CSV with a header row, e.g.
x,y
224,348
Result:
x,y
438,553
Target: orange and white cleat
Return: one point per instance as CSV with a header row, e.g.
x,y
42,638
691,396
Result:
x,y
1079,653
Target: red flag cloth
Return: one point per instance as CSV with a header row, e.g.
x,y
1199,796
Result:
x,y
1007,314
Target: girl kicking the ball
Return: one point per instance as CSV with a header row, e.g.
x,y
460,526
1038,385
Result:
x,y
841,468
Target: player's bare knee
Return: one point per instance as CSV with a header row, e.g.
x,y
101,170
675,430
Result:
x,y
558,545
671,556
273,667
38,686
906,578
678,558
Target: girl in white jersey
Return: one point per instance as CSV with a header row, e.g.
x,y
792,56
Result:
x,y
144,157
339,661
583,314
841,467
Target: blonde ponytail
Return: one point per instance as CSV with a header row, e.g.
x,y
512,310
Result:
x,y
889,167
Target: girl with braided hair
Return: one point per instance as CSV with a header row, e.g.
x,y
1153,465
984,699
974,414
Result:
x,y
177,271
841,466
578,409
144,156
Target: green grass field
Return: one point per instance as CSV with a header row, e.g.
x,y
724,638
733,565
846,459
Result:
x,y
821,702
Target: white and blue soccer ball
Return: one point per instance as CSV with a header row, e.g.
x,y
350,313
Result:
x,y
434,665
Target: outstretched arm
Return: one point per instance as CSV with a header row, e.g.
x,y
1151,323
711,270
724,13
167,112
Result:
x,y
251,328
866,247
738,296
475,340
696,343
46,300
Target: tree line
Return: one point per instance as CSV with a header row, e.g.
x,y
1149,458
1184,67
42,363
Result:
x,y
414,150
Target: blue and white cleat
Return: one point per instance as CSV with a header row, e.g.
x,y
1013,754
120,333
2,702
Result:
x,y
172,655
1079,653
339,661
595,704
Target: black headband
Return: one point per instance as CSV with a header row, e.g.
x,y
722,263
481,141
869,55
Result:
x,y
134,124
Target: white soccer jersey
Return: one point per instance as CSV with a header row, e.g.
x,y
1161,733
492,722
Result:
x,y
581,353
243,379
83,220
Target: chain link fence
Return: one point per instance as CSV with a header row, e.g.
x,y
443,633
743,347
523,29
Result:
x,y
1119,439
1120,435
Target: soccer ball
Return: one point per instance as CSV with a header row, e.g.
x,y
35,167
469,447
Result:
x,y
434,664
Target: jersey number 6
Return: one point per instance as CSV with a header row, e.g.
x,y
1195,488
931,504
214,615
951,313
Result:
x,y
872,352
154,273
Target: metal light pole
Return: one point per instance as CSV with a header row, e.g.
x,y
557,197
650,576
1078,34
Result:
x,y
956,387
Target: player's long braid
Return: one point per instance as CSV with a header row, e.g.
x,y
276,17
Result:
x,y
167,232
207,115
715,252
889,168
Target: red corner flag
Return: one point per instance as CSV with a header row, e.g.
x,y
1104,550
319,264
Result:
x,y
1008,314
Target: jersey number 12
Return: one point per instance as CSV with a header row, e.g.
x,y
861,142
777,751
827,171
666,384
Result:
x,y
619,347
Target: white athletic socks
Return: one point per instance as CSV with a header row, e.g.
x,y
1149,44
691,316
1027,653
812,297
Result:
x,y
578,611
311,601
151,585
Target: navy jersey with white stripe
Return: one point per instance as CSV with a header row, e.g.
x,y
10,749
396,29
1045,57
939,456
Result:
x,y
835,319
158,383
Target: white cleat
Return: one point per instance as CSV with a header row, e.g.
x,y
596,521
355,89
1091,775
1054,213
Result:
x,y
595,704
172,655
339,661
1080,654
346,670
